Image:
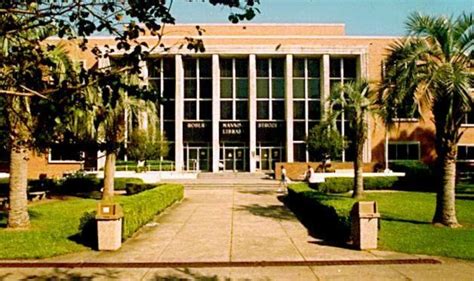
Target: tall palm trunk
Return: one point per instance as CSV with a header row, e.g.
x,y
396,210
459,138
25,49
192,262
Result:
x,y
18,214
358,162
445,213
109,174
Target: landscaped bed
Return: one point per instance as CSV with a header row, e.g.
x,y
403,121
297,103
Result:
x,y
55,223
405,225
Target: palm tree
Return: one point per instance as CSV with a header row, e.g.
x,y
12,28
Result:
x,y
431,67
26,68
353,98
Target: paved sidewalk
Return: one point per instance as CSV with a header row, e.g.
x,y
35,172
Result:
x,y
237,225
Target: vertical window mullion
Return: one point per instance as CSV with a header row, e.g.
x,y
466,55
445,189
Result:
x,y
270,90
198,90
343,116
234,90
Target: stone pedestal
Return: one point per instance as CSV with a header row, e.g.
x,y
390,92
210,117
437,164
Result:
x,y
364,227
109,234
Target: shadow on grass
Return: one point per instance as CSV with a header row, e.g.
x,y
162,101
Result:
x,y
4,217
277,212
465,197
61,274
388,218
321,220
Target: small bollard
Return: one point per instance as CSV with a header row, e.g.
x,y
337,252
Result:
x,y
109,226
364,227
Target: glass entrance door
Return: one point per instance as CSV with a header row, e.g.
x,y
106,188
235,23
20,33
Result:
x,y
197,158
234,158
269,156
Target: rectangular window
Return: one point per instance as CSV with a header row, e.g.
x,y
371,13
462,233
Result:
x,y
469,119
234,89
197,88
299,152
465,153
403,151
270,89
65,153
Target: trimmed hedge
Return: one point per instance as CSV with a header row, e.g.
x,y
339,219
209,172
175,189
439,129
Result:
x,y
138,210
343,184
121,183
325,217
134,188
418,175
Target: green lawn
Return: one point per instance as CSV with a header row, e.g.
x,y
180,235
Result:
x,y
52,225
406,222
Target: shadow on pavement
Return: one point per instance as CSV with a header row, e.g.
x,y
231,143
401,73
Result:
x,y
277,212
66,274
186,274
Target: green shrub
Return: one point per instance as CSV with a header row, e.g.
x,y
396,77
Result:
x,y
50,185
418,175
134,188
138,210
121,183
322,215
343,184
80,183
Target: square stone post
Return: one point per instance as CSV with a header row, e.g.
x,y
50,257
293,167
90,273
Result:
x,y
289,107
253,112
179,113
216,111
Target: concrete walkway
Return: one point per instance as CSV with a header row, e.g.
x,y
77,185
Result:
x,y
239,225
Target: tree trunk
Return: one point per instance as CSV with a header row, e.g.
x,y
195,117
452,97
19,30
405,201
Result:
x,y
109,174
18,212
358,171
445,213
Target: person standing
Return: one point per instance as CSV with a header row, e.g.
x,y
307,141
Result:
x,y
283,181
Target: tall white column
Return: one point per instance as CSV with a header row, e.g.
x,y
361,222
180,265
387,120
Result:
x,y
253,112
216,111
179,113
325,85
289,107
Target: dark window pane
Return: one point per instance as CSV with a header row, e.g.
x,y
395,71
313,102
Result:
x,y
262,67
298,88
278,110
392,151
169,128
65,153
241,110
299,109
189,88
278,88
413,152
169,88
168,67
299,150
314,110
190,110
350,68
462,152
334,84
298,68
154,68
313,68
205,110
313,88
226,110
189,68
226,88
205,67
154,84
168,110
241,67
226,67
278,68
205,88
262,88
242,87
263,110
402,151
299,131
470,153
335,67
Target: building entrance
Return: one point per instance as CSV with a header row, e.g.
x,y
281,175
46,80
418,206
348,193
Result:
x,y
268,156
234,159
197,158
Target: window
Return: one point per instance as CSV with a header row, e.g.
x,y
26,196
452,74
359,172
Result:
x,y
270,89
466,153
162,79
343,70
403,151
65,153
234,89
197,88
469,118
306,102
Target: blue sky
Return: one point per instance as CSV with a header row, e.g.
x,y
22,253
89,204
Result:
x,y
362,17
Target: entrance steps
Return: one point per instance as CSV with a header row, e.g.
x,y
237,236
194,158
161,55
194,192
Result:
x,y
234,175
228,181
228,185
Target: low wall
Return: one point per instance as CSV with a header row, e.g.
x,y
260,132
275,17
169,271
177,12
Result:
x,y
296,170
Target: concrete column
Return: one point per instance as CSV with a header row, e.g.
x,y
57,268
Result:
x,y
179,113
325,86
102,63
216,111
253,112
289,107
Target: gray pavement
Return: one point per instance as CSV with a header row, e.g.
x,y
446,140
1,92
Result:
x,y
238,225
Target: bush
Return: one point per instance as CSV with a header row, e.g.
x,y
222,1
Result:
x,y
318,212
121,183
343,184
138,210
134,188
418,175
80,183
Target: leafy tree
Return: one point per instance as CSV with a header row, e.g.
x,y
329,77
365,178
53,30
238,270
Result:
x,y
325,141
432,67
354,99
145,145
